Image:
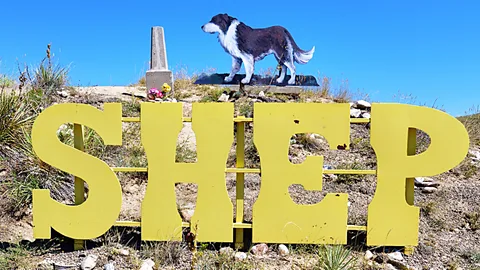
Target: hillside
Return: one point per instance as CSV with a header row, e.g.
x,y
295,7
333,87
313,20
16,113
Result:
x,y
450,213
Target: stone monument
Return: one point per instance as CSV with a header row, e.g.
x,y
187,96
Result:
x,y
158,73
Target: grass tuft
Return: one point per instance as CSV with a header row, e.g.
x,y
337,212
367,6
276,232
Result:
x,y
335,257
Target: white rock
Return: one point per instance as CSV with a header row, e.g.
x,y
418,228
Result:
x,y
475,154
240,256
109,266
124,252
187,214
226,250
390,267
147,264
362,104
63,94
259,249
89,263
368,255
366,115
355,113
395,256
261,94
283,250
429,189
223,97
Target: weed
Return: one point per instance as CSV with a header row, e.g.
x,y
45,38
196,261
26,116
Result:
x,y
16,257
309,141
164,253
245,109
184,153
335,257
6,81
15,117
471,121
350,178
48,76
473,219
213,260
212,95
131,108
20,191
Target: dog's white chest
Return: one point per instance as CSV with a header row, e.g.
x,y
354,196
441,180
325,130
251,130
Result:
x,y
229,40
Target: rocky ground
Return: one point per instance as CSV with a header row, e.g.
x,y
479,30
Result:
x,y
450,208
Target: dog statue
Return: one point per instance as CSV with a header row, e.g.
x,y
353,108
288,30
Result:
x,y
248,45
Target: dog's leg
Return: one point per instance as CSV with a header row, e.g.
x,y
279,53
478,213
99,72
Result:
x,y
283,72
249,67
291,67
236,64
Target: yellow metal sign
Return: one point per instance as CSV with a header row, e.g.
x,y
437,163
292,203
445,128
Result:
x,y
392,219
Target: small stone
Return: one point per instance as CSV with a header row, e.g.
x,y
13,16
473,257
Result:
x,y
366,115
362,104
355,113
187,214
109,266
368,255
429,189
240,256
226,250
261,94
89,263
283,250
124,252
46,264
395,256
63,94
390,267
147,264
223,98
260,249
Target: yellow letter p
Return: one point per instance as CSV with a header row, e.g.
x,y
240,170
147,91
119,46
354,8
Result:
x,y
392,221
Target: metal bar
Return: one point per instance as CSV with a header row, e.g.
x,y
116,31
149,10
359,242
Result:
x,y
124,223
247,170
410,182
411,150
129,169
79,187
236,225
130,119
243,119
356,228
350,171
241,170
359,120
240,182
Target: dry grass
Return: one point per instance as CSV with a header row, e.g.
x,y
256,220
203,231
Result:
x,y
471,121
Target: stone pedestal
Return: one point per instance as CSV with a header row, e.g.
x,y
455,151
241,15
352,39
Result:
x,y
158,73
156,78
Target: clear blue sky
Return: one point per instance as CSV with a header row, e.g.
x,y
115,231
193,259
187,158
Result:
x,y
430,49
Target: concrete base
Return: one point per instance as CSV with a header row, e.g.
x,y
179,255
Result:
x,y
156,78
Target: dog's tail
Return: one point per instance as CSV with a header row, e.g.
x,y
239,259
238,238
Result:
x,y
300,56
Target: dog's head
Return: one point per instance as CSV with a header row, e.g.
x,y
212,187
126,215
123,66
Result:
x,y
218,24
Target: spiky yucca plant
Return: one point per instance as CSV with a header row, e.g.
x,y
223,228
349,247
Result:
x,y
335,257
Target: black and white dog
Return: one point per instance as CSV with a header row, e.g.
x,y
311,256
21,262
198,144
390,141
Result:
x,y
248,45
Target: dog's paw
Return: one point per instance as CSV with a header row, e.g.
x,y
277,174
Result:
x,y
291,81
228,79
245,81
280,80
